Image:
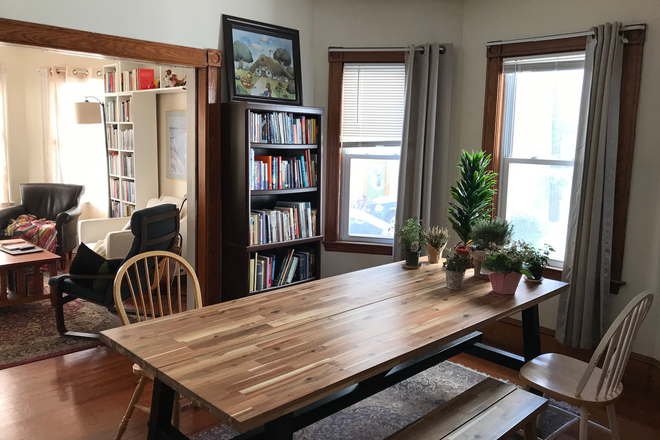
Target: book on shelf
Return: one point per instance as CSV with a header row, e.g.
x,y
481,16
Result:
x,y
268,270
109,82
114,188
144,78
119,139
113,163
125,111
136,79
110,111
128,170
277,172
283,128
115,209
285,222
128,191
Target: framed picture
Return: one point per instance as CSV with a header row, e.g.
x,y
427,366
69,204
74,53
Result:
x,y
177,146
263,62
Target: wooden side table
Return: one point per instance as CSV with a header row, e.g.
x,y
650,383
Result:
x,y
18,263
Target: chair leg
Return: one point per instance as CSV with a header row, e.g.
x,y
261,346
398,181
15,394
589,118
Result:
x,y
131,407
614,427
59,311
176,410
530,429
584,423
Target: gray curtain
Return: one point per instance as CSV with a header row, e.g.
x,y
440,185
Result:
x,y
425,141
582,314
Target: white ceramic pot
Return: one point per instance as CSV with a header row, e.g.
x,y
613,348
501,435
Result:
x,y
455,280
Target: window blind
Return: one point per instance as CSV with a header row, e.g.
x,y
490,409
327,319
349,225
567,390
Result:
x,y
541,63
372,104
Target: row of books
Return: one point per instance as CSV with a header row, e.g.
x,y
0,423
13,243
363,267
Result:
x,y
125,111
136,79
128,191
127,165
283,128
113,164
119,139
110,111
272,270
116,210
114,188
128,210
287,221
109,79
277,172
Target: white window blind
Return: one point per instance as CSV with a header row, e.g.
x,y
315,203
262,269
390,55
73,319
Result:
x,y
372,104
544,63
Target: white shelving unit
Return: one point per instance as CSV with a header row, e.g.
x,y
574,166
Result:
x,y
132,137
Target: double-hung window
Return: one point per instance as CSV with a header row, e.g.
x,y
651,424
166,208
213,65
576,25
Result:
x,y
541,106
371,129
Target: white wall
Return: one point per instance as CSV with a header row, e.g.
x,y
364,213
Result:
x,y
381,23
192,23
485,20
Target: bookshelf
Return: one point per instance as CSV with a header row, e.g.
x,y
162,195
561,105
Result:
x,y
131,131
249,195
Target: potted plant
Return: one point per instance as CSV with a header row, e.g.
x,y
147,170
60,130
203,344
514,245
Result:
x,y
536,260
507,264
486,234
411,238
456,266
472,196
436,239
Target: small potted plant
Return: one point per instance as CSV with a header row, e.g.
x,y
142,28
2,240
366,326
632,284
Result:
x,y
536,260
472,197
436,239
486,234
456,266
411,237
507,265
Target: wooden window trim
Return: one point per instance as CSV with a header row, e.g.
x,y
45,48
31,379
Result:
x,y
630,87
336,61
207,63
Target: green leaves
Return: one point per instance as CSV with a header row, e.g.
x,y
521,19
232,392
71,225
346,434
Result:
x,y
473,194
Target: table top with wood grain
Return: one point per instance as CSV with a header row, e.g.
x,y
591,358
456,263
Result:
x,y
7,261
252,360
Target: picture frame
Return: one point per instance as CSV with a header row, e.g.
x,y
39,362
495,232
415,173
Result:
x,y
177,145
262,62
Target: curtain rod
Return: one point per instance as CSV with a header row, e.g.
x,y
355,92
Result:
x,y
559,36
379,49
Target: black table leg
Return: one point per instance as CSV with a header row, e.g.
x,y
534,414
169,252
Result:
x,y
531,336
160,418
280,428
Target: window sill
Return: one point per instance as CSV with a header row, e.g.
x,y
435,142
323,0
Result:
x,y
553,273
358,247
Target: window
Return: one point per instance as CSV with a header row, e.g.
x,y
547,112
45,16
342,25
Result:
x,y
371,127
541,107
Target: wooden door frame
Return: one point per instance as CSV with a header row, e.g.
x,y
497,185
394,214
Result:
x,y
207,64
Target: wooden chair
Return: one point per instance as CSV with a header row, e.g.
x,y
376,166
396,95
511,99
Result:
x,y
142,276
586,385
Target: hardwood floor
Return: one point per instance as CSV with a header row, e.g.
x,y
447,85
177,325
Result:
x,y
84,395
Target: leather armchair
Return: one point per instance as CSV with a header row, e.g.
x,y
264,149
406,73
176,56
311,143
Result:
x,y
58,202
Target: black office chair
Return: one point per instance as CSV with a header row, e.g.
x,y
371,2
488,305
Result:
x,y
154,229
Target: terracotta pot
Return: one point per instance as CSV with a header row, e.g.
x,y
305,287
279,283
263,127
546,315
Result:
x,y
461,249
455,280
434,254
505,283
412,259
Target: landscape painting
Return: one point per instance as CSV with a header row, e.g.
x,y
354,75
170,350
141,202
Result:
x,y
263,61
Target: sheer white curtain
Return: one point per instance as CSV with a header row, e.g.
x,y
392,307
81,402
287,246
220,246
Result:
x,y
75,153
4,154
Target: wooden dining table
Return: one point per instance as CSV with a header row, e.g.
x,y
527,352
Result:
x,y
270,364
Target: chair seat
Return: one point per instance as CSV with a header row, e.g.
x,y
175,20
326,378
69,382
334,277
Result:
x,y
558,376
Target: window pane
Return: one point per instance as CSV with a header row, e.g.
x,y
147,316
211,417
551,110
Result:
x,y
546,112
537,204
372,104
373,185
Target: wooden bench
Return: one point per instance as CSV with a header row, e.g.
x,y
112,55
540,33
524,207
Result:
x,y
489,410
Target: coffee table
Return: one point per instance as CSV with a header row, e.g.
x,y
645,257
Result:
x,y
19,264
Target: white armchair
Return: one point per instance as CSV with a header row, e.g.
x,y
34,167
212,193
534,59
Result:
x,y
118,241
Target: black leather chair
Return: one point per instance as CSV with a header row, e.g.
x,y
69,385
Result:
x,y
53,201
154,229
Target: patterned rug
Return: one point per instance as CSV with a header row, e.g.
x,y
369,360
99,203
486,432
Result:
x,y
390,410
28,332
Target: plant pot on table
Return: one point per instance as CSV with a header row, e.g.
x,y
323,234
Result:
x,y
478,258
455,280
462,250
412,258
537,271
505,283
434,254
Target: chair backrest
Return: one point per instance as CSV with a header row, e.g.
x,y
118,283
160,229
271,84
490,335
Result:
x,y
46,200
154,282
154,229
616,344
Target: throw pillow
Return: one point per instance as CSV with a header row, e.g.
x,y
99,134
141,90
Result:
x,y
88,262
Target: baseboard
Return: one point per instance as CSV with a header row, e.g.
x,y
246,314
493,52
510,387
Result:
x,y
642,373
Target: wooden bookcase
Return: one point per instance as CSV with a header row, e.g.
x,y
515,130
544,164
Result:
x,y
238,200
142,124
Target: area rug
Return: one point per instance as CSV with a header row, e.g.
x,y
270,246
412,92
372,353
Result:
x,y
28,332
385,413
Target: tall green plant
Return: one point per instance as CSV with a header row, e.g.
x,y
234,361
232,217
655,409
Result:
x,y
473,193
